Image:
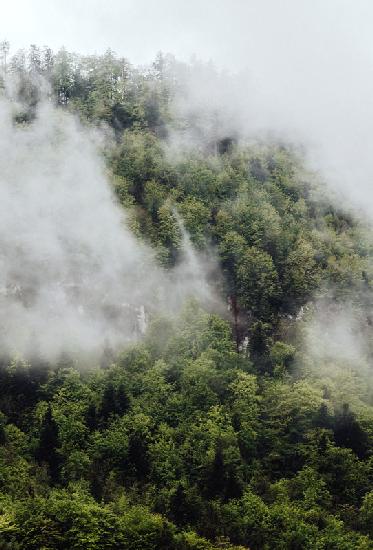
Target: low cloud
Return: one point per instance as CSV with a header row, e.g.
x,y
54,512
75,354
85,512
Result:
x,y
72,276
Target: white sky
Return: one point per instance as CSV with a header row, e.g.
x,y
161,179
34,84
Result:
x,y
234,33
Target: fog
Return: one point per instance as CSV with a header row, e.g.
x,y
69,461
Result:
x,y
320,101
294,70
72,276
336,333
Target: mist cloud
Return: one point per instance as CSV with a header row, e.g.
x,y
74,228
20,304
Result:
x,y
72,276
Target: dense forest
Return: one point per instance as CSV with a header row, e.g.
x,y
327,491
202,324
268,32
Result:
x,y
245,426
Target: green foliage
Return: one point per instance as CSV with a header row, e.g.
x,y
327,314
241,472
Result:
x,y
257,282
207,434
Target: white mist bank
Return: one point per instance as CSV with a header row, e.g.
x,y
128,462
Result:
x,y
292,71
72,276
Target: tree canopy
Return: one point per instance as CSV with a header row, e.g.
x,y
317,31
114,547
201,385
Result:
x,y
215,430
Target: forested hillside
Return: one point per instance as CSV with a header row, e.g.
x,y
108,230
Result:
x,y
242,424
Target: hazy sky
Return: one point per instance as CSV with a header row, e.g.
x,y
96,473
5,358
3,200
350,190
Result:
x,y
233,32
